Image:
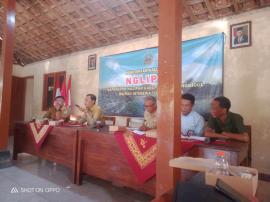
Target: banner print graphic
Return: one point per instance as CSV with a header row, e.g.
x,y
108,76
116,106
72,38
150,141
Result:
x,y
125,79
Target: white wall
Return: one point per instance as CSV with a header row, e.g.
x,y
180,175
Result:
x,y
246,71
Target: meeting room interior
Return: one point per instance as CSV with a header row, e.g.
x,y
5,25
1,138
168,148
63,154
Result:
x,y
134,100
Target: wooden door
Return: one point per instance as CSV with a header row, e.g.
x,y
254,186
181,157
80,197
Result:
x,y
17,101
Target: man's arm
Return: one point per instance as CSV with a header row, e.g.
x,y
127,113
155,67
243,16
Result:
x,y
148,124
66,113
83,119
209,132
144,128
48,114
199,127
97,115
241,134
235,136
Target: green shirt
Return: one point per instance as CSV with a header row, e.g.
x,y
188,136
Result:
x,y
233,124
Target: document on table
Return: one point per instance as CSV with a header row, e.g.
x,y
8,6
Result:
x,y
193,137
138,132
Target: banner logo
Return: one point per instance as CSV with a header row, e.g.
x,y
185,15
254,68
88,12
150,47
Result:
x,y
14,190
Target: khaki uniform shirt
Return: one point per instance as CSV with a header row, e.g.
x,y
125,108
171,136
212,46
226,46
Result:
x,y
150,119
91,116
51,113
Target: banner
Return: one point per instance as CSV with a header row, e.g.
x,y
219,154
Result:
x,y
125,79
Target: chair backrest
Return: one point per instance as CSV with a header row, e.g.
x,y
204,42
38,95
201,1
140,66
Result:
x,y
108,120
248,129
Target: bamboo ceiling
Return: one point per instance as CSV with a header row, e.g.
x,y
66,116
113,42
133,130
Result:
x,y
48,28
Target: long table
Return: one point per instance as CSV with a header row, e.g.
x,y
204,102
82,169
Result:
x,y
100,156
236,152
60,146
96,153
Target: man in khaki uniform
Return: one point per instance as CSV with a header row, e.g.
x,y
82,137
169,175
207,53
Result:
x,y
92,113
58,111
150,114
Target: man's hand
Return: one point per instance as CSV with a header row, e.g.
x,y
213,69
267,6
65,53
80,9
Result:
x,y
56,105
240,137
209,132
144,128
73,122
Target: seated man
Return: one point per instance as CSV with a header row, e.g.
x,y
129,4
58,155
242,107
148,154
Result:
x,y
192,123
58,111
223,123
92,113
150,113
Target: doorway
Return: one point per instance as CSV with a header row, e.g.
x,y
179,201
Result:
x,y
21,107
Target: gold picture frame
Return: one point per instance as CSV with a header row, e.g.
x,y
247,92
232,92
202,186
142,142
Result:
x,y
240,35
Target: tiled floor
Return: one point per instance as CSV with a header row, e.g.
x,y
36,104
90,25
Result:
x,y
32,172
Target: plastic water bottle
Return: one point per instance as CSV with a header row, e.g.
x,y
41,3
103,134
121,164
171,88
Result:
x,y
221,166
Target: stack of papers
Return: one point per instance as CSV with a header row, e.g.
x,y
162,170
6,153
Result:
x,y
138,132
193,137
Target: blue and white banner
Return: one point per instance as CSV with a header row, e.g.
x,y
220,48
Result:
x,y
125,79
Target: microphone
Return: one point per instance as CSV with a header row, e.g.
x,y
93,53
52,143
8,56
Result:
x,y
80,108
209,140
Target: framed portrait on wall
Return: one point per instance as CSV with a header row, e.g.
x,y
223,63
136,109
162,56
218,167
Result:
x,y
92,60
240,35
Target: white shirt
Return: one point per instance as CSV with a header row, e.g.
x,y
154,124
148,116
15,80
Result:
x,y
150,119
192,123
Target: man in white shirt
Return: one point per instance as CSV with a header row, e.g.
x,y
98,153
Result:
x,y
150,114
192,123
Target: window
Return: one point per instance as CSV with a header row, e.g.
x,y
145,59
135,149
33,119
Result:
x,y
49,88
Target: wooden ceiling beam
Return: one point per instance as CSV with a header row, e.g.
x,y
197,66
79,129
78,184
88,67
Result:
x,y
78,33
191,2
96,29
235,6
188,10
116,17
51,28
106,24
259,3
135,18
220,7
210,8
143,5
18,60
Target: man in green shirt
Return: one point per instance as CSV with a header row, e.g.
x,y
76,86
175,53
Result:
x,y
223,123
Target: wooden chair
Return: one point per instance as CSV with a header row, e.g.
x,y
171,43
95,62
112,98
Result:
x,y
108,120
